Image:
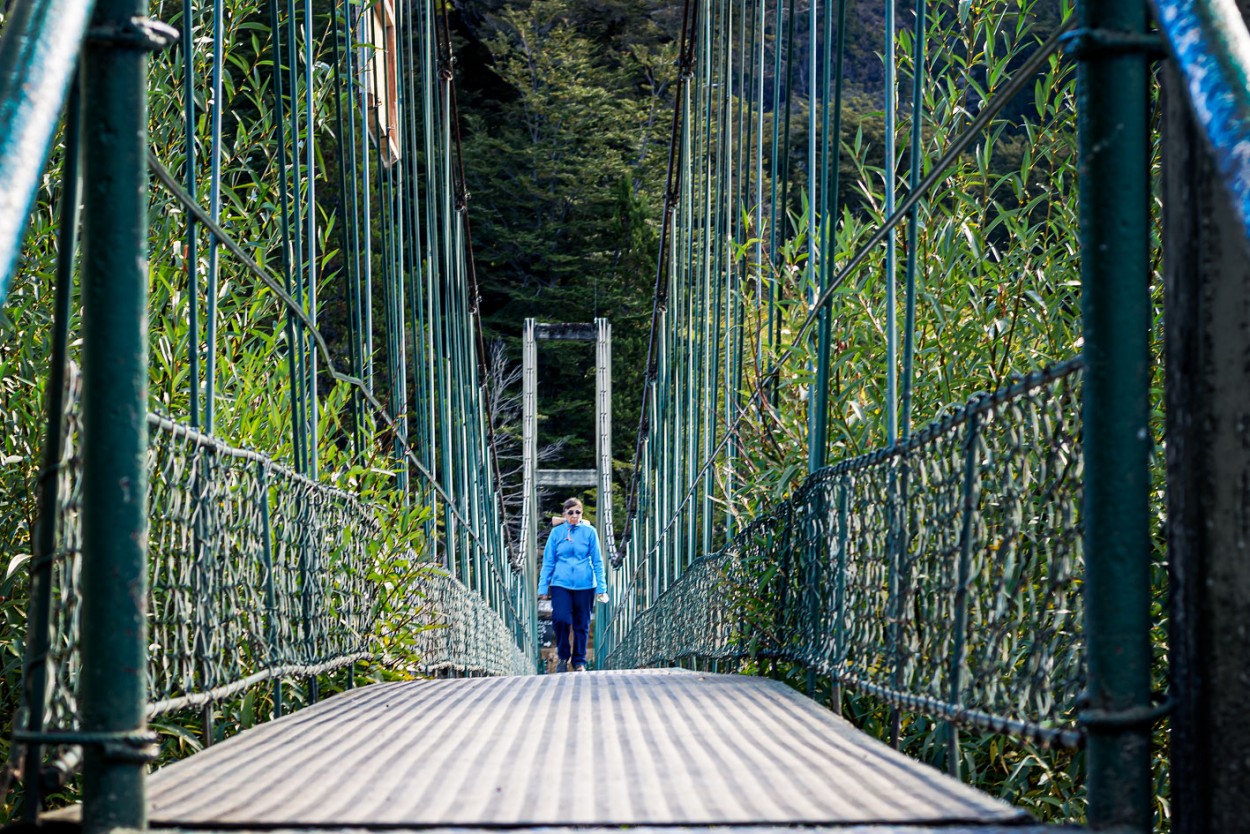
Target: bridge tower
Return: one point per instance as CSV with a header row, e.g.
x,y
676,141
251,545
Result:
x,y
532,517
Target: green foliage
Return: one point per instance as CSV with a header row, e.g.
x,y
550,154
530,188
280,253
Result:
x,y
998,294
565,156
997,279
253,405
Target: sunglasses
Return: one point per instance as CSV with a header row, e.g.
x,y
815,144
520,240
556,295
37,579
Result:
x,y
572,512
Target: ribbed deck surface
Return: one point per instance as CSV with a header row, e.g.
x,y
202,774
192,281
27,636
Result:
x,y
597,748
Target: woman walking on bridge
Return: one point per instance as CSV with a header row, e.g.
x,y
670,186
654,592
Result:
x,y
572,575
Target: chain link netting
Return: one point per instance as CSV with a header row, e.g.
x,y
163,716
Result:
x,y
255,573
942,575
459,633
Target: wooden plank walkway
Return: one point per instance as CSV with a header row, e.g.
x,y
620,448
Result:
x,y
599,749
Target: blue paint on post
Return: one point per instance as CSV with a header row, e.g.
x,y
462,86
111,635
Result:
x,y
1210,43
38,53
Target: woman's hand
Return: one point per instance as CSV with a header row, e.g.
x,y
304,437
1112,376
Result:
x,y
544,596
602,598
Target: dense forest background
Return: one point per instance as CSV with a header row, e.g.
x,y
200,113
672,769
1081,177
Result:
x,y
566,117
566,112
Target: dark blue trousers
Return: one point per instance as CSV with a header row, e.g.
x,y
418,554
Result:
x,y
571,608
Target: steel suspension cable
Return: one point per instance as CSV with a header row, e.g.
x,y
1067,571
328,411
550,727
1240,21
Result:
x,y
913,219
671,193
290,303
990,108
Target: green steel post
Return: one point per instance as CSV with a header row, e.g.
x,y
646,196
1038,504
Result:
x,y
193,256
813,159
759,177
959,648
367,246
214,203
839,605
298,347
284,203
818,413
1114,146
310,147
913,219
38,633
783,211
891,302
347,230
115,400
271,596
811,595
772,181
894,611
818,457
307,577
208,731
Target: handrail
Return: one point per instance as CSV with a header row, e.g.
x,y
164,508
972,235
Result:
x,y
1211,46
38,53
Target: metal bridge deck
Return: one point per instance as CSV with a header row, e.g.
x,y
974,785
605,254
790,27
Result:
x,y
661,748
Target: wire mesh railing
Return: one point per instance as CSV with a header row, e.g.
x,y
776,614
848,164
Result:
x,y
256,573
461,634
942,575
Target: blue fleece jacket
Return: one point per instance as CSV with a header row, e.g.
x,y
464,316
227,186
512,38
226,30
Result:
x,y
572,560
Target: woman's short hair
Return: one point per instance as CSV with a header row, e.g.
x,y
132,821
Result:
x,y
571,503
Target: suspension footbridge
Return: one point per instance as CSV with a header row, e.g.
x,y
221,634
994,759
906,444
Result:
x,y
241,510
664,747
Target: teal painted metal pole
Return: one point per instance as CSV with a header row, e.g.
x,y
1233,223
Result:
x,y
891,302
1114,147
38,53
38,632
193,253
272,614
310,239
759,181
782,212
296,224
297,435
813,158
815,251
366,196
115,400
839,602
959,650
913,219
773,174
831,154
214,206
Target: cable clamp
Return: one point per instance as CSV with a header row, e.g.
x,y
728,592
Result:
x,y
1140,716
1083,44
142,33
685,67
138,746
